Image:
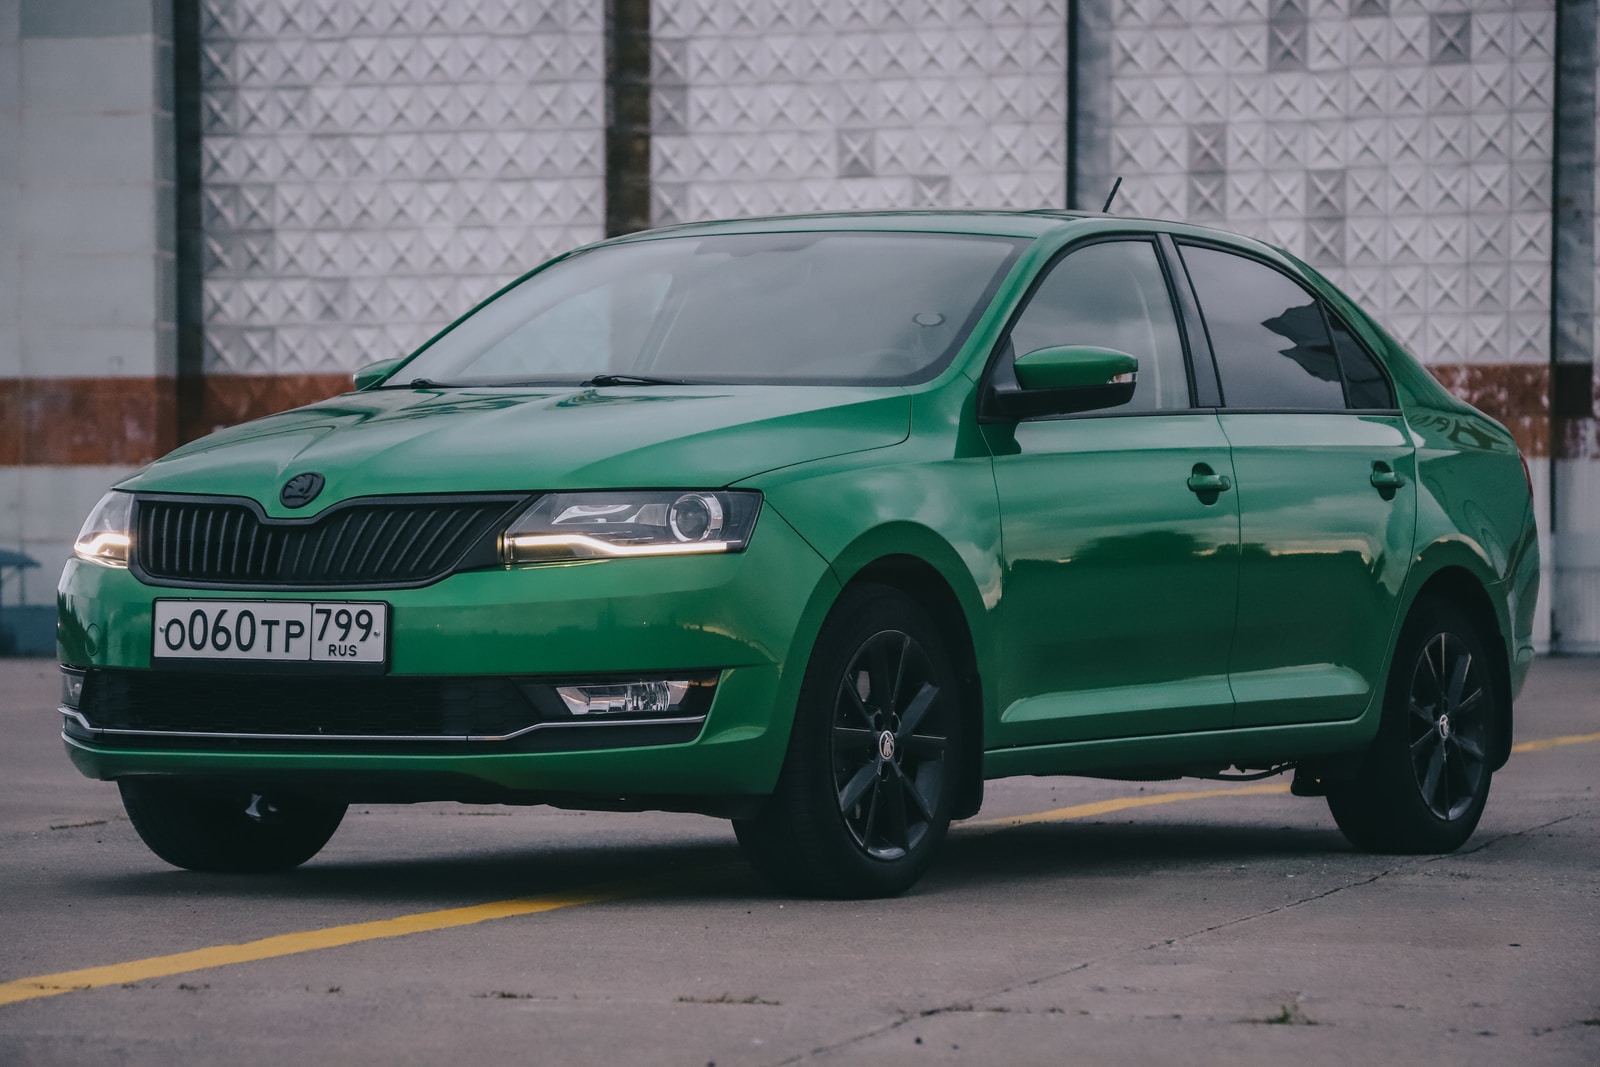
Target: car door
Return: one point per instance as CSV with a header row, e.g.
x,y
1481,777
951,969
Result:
x,y
1326,492
1120,530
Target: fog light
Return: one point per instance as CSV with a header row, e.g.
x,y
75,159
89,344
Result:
x,y
637,698
71,687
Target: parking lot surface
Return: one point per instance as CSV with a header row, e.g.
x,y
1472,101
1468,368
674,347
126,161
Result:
x,y
1073,921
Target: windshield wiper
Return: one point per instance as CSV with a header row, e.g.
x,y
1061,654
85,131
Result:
x,y
633,379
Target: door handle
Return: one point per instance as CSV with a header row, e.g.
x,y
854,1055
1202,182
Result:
x,y
1385,480
1204,480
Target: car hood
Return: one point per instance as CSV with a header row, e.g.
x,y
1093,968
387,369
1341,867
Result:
x,y
463,440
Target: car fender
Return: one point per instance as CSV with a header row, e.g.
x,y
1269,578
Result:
x,y
943,514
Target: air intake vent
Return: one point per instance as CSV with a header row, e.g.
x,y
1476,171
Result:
x,y
366,543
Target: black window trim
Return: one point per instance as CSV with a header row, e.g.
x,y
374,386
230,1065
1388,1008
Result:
x,y
986,411
1329,315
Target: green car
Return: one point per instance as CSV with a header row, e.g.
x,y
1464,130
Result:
x,y
816,524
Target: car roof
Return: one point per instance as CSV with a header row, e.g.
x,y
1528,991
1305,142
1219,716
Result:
x,y
1025,224
997,223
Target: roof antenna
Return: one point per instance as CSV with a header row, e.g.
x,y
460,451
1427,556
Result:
x,y
1114,187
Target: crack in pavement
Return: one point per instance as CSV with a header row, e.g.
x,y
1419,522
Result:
x,y
968,1005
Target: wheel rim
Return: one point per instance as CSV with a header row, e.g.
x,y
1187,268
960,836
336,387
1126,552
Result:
x,y
1448,726
889,745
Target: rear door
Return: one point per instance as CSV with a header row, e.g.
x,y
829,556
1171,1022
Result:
x,y
1120,579
1326,492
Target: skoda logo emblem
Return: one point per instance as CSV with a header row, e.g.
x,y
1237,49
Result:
x,y
886,746
301,490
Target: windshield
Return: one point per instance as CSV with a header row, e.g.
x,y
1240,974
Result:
x,y
829,307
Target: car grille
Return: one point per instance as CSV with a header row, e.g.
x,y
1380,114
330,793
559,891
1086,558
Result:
x,y
183,702
124,707
369,543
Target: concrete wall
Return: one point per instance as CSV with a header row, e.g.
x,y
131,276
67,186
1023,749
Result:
x,y
86,270
361,172
819,105
369,171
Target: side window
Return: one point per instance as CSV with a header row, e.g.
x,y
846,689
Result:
x,y
1112,295
1364,383
1269,336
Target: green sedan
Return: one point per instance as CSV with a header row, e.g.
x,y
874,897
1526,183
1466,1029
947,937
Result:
x,y
817,524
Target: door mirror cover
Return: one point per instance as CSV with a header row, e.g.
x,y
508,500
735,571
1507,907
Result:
x,y
1066,379
1072,366
373,373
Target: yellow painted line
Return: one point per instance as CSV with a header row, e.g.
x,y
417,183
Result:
x,y
1106,807
1555,742
115,974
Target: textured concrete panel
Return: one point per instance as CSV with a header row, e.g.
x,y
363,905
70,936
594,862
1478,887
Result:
x,y
844,104
1406,153
371,170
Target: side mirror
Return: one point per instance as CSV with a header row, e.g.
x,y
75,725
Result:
x,y
1073,366
373,373
1065,379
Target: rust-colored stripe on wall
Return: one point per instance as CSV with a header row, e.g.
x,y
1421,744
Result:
x,y
122,422
110,421
1519,395
229,399
127,421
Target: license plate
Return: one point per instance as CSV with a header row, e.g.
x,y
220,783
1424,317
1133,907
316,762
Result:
x,y
275,631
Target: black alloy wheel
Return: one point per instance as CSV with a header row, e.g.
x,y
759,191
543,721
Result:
x,y
208,828
1425,779
1447,728
888,757
864,798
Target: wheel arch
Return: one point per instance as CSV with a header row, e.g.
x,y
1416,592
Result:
x,y
1462,578
948,581
922,582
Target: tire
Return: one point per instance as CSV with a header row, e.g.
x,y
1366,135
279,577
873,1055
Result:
x,y
864,798
1426,778
234,830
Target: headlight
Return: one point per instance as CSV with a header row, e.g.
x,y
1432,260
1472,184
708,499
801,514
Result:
x,y
602,525
106,537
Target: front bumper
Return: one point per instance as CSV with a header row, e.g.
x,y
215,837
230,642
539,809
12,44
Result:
x,y
744,618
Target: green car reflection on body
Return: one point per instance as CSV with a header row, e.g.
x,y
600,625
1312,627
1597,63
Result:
x,y
816,524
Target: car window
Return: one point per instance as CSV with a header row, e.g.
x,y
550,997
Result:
x,y
1269,336
1111,294
812,307
1364,383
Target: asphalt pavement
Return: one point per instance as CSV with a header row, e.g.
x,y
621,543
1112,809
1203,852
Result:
x,y
1073,921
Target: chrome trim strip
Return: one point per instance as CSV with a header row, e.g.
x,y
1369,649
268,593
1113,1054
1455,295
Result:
x,y
70,713
73,713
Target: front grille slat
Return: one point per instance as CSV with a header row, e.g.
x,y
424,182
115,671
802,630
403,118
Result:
x,y
237,537
427,546
406,521
369,542
186,525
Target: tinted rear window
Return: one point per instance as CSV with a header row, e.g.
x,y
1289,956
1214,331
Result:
x,y
1270,338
